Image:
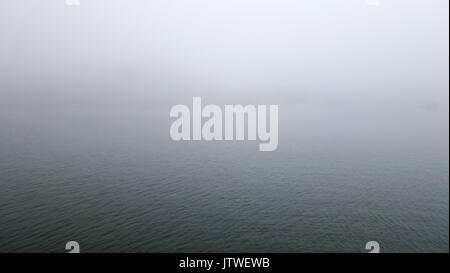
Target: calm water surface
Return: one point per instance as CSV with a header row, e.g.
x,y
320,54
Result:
x,y
117,183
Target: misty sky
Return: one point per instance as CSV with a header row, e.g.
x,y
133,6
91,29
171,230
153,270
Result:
x,y
143,54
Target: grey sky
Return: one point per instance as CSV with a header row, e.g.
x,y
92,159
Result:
x,y
124,54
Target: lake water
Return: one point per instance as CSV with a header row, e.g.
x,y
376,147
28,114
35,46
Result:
x,y
116,182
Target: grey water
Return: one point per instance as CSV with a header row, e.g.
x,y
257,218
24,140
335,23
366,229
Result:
x,y
116,182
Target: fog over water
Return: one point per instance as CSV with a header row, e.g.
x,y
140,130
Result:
x,y
85,151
